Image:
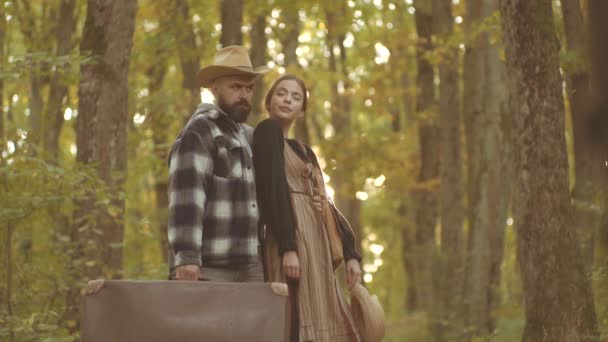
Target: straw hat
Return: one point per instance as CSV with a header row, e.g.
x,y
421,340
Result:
x,y
367,314
229,61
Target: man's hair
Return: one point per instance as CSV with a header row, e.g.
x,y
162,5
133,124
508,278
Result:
x,y
284,78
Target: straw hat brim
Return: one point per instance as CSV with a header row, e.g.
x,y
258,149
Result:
x,y
207,75
367,314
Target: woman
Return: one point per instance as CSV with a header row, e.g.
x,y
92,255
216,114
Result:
x,y
296,245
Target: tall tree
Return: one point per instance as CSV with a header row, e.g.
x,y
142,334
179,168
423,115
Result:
x,y
66,25
588,165
428,137
2,59
259,55
336,14
158,118
188,53
558,299
597,125
289,42
103,110
487,126
37,40
451,193
232,21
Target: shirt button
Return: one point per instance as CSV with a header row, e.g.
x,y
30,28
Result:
x,y
253,205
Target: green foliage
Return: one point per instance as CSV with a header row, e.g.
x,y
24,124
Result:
x,y
374,150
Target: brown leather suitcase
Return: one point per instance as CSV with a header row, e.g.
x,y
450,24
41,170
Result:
x,y
163,311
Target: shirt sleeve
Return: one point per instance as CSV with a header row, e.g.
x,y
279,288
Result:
x,y
271,184
348,236
190,165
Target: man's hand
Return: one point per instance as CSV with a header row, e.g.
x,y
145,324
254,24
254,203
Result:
x,y
188,272
317,203
291,265
353,272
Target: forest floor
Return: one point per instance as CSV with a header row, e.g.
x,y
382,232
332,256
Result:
x,y
412,328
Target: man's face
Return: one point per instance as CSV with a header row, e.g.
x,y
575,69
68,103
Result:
x,y
233,95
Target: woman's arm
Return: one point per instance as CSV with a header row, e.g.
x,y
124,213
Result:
x,y
347,234
271,184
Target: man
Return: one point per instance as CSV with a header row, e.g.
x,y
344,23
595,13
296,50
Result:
x,y
213,213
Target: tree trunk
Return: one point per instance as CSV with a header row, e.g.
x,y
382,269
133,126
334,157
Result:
x,y
340,120
35,41
588,167
259,55
426,208
10,229
289,42
159,121
103,114
486,113
59,89
2,61
188,55
451,285
597,125
35,107
408,256
558,298
232,21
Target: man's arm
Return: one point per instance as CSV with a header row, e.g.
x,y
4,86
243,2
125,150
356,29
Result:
x,y
190,166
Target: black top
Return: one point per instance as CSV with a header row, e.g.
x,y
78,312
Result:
x,y
273,192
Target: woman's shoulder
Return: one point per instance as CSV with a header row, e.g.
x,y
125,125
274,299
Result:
x,y
269,126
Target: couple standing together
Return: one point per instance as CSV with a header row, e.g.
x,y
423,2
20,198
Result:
x,y
226,180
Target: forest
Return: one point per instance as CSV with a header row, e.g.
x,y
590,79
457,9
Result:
x,y
466,141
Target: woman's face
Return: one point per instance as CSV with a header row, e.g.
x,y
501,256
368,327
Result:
x,y
287,101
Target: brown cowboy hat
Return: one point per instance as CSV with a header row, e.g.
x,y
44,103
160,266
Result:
x,y
229,61
367,314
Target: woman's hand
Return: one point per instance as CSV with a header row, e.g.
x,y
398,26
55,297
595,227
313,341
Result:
x,y
291,265
353,273
317,203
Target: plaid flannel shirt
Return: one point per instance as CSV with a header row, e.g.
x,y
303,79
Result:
x,y
213,213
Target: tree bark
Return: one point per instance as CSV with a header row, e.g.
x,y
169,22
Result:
x,y
558,298
159,121
58,87
426,207
103,113
2,61
487,127
36,40
597,125
10,228
451,192
259,55
188,55
289,42
588,165
340,118
232,21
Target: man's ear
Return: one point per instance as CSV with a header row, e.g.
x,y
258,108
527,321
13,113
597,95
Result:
x,y
215,87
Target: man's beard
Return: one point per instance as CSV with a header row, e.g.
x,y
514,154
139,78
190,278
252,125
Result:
x,y
239,112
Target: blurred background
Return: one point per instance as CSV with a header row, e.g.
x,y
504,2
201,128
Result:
x,y
450,133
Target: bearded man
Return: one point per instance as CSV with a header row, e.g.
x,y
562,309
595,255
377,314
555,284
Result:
x,y
213,214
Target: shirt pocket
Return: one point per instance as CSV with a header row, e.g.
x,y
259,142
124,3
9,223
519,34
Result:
x,y
228,162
